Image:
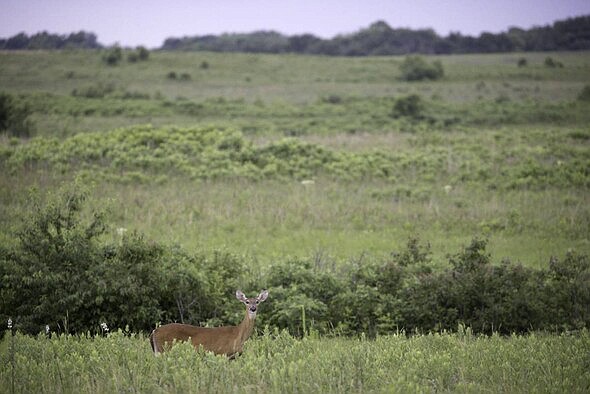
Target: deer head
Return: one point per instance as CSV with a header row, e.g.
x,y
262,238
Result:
x,y
251,303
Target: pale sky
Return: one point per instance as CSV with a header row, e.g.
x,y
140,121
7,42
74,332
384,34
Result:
x,y
150,22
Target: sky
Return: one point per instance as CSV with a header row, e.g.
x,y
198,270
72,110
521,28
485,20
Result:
x,y
150,22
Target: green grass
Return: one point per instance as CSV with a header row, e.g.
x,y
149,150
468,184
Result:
x,y
498,151
277,363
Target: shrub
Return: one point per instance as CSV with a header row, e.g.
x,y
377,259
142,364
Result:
x,y
143,53
584,94
46,277
333,99
140,54
522,62
99,90
415,68
14,116
297,288
569,291
132,57
411,106
551,63
113,56
414,253
59,274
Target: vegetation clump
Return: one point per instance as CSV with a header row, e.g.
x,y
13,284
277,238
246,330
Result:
x,y
411,106
415,68
552,63
113,56
14,116
584,95
140,54
62,272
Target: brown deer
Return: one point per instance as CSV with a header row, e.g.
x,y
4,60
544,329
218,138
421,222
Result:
x,y
227,340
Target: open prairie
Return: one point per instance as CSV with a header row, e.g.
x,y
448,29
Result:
x,y
495,150
370,207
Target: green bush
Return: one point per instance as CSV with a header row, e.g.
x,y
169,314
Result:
x,y
552,63
113,56
415,68
132,57
140,54
569,291
61,272
14,116
99,90
46,278
584,94
299,290
411,106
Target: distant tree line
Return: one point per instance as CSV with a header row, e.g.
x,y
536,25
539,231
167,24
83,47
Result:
x,y
380,39
45,40
377,39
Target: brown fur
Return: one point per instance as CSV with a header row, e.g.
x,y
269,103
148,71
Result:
x,y
228,340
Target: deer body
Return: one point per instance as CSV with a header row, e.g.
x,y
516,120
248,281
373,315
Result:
x,y
228,340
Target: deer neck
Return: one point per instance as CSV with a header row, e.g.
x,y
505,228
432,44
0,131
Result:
x,y
246,327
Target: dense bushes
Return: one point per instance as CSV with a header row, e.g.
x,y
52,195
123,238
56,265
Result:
x,y
146,152
63,273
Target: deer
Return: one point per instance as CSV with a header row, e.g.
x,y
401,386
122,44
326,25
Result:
x,y
225,340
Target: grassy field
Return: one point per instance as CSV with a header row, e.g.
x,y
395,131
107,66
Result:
x,y
278,363
488,159
277,157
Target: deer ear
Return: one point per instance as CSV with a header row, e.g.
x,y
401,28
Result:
x,y
240,296
262,296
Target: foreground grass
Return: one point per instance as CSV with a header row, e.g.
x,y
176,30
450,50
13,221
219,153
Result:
x,y
279,363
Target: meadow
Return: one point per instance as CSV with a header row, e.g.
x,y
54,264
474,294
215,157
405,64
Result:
x,y
496,150
276,362
310,171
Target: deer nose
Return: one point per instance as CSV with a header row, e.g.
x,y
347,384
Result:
x,y
253,308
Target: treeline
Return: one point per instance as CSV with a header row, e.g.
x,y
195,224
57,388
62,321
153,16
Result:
x,y
62,273
380,39
45,40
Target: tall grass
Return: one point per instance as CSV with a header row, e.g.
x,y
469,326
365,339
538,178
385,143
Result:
x,y
274,218
275,362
